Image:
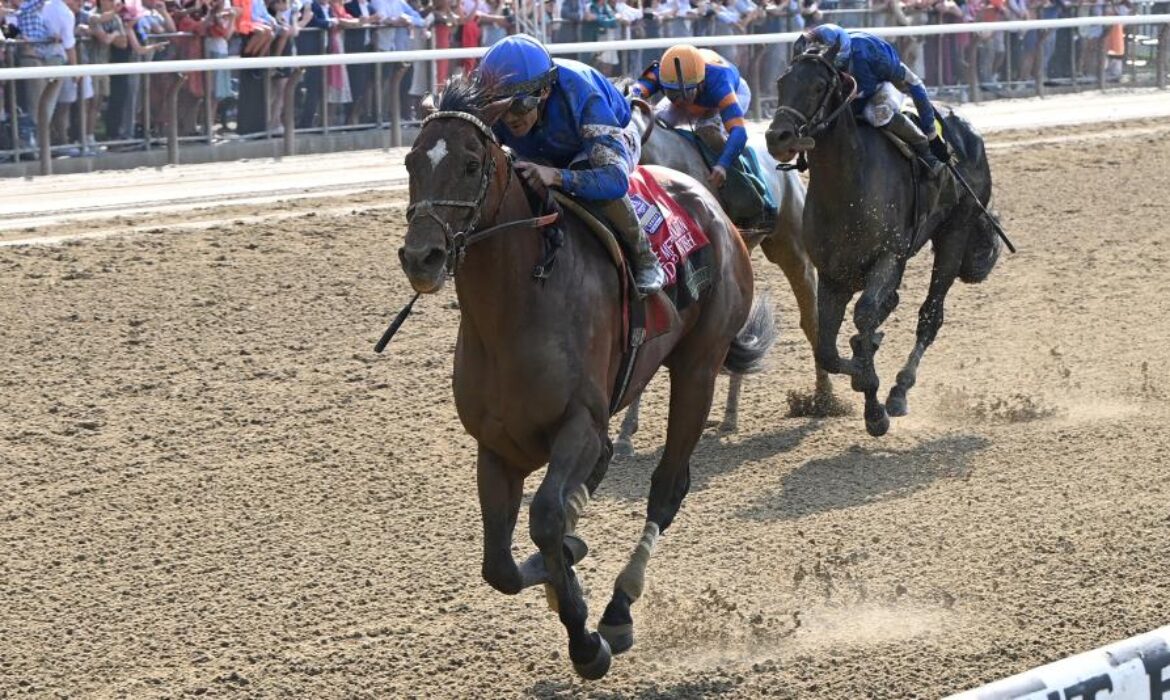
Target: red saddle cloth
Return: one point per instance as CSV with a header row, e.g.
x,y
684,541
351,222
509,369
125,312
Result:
x,y
680,243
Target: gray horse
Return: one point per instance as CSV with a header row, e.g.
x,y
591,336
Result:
x,y
783,245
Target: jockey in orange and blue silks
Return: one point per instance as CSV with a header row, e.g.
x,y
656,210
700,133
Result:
x,y
566,114
701,86
880,74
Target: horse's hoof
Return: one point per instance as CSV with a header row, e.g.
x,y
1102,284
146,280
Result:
x,y
575,548
623,448
620,637
599,666
896,405
878,427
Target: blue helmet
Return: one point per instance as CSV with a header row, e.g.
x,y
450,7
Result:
x,y
831,35
518,65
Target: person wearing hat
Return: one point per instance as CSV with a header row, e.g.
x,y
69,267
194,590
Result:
x,y
567,114
880,73
701,86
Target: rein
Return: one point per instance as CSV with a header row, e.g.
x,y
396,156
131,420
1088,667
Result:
x,y
810,126
467,236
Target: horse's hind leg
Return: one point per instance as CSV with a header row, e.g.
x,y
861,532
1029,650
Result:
x,y
575,453
871,310
691,387
930,320
731,413
624,445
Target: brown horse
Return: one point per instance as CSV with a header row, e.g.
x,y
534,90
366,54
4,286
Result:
x,y
536,361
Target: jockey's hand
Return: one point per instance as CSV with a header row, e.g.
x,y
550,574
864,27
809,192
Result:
x,y
939,148
717,177
539,176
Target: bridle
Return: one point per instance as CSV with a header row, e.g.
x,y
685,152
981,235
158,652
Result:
x,y
811,125
459,241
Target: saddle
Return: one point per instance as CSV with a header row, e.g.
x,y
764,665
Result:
x,y
682,248
933,199
745,196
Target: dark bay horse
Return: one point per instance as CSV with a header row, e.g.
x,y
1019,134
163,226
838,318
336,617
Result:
x,y
536,361
783,245
859,223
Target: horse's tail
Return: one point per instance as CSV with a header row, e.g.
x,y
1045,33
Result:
x,y
754,340
982,251
983,244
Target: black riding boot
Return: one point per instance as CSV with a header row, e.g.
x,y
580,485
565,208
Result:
x,y
648,273
905,129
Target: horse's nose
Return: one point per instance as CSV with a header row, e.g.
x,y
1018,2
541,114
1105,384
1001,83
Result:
x,y
778,138
422,264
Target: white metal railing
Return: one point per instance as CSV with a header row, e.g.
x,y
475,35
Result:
x,y
221,64
395,63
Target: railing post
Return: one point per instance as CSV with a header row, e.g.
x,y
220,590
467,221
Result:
x,y
379,94
290,112
1163,55
1038,67
267,103
146,112
1102,58
208,113
44,128
82,117
973,71
13,121
396,106
173,118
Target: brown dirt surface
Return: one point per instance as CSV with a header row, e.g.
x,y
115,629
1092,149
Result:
x,y
212,487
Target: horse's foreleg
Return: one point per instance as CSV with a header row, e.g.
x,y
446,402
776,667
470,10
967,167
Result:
x,y
876,303
575,453
692,385
930,320
831,303
624,446
782,248
500,489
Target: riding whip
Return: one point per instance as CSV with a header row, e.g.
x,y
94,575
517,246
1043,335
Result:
x,y
992,219
395,325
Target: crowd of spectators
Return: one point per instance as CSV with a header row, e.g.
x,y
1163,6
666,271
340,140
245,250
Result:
x,y
224,104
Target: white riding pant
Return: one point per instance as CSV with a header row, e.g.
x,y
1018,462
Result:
x,y
886,101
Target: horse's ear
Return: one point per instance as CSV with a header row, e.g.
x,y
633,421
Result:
x,y
427,106
494,110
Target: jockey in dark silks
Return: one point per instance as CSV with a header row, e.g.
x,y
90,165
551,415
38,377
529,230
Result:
x,y
567,114
880,75
700,85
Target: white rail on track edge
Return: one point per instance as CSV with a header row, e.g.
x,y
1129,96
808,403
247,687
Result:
x,y
1132,669
221,64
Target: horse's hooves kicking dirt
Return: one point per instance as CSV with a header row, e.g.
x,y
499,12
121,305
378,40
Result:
x,y
803,404
599,666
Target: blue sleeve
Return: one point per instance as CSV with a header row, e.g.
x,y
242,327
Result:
x,y
925,109
608,176
736,140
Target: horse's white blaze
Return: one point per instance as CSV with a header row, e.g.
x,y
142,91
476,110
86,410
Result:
x,y
437,153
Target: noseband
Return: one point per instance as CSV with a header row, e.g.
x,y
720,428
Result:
x,y
811,125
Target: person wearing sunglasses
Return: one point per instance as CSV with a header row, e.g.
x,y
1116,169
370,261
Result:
x,y
702,88
568,115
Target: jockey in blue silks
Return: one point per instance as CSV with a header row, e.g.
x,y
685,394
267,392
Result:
x,y
567,114
880,75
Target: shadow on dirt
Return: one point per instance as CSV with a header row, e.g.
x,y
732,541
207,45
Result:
x,y
862,475
548,690
629,478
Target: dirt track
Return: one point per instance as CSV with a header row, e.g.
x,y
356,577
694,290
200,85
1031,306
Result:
x,y
209,485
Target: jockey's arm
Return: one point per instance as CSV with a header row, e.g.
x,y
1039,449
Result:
x,y
917,92
733,121
646,85
608,176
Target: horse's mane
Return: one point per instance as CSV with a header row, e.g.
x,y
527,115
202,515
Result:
x,y
471,95
623,84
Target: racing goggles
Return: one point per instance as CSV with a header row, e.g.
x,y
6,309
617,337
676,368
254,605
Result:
x,y
684,93
523,104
